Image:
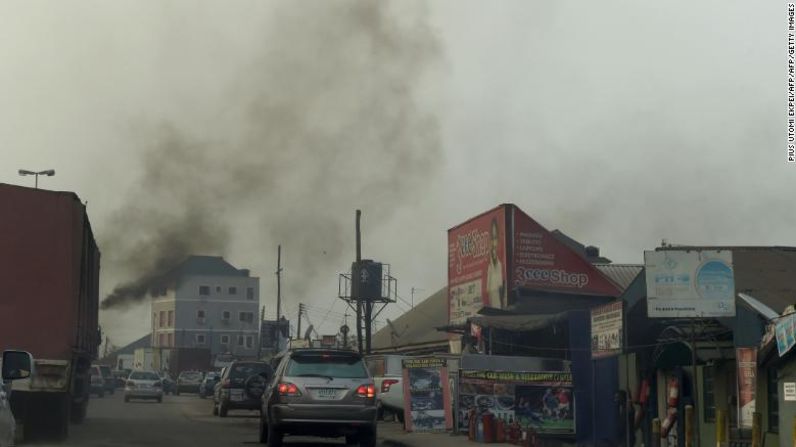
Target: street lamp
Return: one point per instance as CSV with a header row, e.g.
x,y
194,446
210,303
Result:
x,y
49,173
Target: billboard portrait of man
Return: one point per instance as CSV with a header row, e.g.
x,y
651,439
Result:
x,y
495,282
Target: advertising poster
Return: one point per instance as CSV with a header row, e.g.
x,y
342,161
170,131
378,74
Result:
x,y
689,284
784,330
543,400
541,262
747,381
606,330
477,265
427,398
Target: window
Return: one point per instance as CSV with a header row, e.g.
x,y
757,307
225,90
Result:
x,y
161,339
339,366
200,316
708,393
225,339
246,317
200,339
225,316
249,341
171,339
773,401
171,318
218,289
240,340
162,318
233,290
204,290
250,293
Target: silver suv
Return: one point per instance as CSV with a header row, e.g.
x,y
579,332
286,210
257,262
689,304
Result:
x,y
319,392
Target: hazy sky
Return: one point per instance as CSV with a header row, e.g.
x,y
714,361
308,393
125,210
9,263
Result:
x,y
618,122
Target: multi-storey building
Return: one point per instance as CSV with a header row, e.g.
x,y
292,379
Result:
x,y
205,302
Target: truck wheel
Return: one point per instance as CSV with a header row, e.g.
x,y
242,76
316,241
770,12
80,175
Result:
x,y
78,413
222,410
60,418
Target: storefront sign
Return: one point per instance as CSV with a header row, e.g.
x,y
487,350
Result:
x,y
427,395
785,333
689,284
789,390
606,330
477,265
543,400
542,262
747,381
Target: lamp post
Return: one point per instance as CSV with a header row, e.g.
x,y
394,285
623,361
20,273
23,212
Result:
x,y
48,172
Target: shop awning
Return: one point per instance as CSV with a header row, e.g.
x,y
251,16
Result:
x,y
518,323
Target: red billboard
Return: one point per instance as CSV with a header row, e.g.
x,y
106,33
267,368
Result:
x,y
539,261
477,265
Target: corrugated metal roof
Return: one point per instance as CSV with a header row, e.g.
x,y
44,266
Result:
x,y
418,326
621,274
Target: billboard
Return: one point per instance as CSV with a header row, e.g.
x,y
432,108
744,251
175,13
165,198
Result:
x,y
689,283
541,262
427,395
606,330
785,333
477,265
542,400
747,383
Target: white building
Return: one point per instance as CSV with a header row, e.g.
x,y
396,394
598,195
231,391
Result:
x,y
207,303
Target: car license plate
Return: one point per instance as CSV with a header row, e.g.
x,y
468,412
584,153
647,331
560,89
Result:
x,y
326,393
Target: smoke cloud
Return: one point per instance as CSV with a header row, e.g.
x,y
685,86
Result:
x,y
325,119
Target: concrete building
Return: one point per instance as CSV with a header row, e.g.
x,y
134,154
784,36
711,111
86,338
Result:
x,y
205,302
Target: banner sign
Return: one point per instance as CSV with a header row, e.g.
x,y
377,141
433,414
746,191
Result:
x,y
427,395
543,400
606,330
477,265
785,333
747,381
689,284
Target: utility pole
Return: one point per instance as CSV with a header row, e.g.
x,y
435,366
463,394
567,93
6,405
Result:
x,y
358,298
298,328
278,282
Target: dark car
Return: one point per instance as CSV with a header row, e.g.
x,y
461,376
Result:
x,y
107,378
96,382
189,382
315,392
209,384
169,385
241,386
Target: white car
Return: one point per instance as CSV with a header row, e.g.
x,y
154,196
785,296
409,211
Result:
x,y
143,385
16,365
387,372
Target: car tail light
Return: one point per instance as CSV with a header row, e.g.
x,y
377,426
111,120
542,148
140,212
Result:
x,y
225,383
130,384
385,386
368,391
157,384
288,389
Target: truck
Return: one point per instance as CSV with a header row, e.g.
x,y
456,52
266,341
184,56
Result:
x,y
49,269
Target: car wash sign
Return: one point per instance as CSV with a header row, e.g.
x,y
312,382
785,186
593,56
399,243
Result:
x,y
689,283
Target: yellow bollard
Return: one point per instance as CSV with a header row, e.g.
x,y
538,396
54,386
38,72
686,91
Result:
x,y
656,432
689,426
721,428
757,433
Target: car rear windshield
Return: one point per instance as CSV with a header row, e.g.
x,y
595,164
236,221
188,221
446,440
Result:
x,y
193,375
245,370
143,375
330,365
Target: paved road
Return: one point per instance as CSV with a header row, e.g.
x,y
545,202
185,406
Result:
x,y
183,420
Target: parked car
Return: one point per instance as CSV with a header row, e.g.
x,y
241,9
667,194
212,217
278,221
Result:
x,y
387,371
208,384
320,392
120,377
16,365
189,382
107,378
241,386
143,385
169,384
97,382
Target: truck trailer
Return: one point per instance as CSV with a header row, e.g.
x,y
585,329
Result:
x,y
49,269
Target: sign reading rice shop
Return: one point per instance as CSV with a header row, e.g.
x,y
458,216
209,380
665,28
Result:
x,y
689,283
